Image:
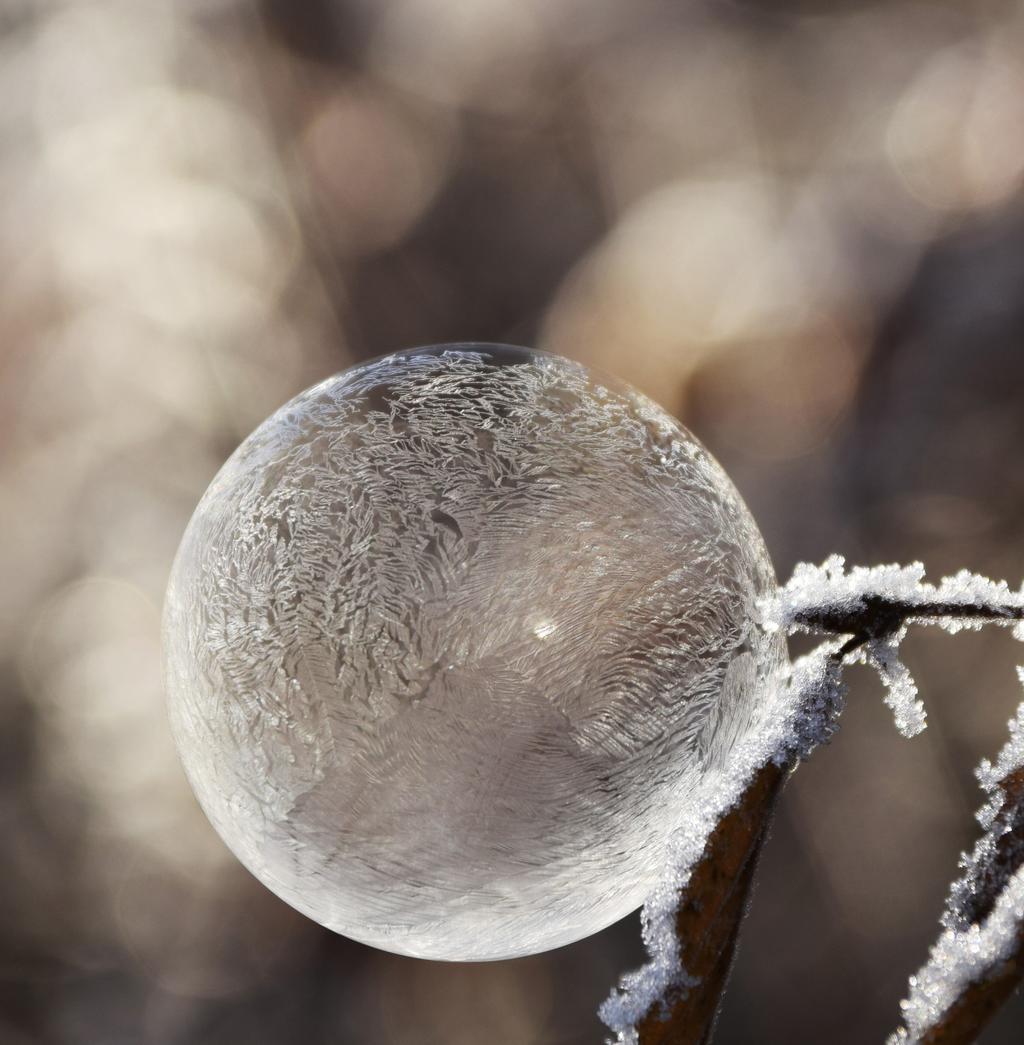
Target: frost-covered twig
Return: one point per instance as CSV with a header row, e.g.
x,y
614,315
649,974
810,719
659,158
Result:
x,y
705,922
673,998
874,605
979,958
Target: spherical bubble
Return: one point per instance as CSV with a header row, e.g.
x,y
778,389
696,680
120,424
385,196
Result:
x,y
449,641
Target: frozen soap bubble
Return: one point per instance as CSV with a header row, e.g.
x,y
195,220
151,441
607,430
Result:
x,y
449,640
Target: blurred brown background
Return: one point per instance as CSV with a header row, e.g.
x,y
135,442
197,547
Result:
x,y
799,226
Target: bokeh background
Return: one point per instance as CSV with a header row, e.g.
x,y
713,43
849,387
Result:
x,y
798,226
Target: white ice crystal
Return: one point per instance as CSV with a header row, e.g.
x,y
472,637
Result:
x,y
901,689
974,944
452,641
961,957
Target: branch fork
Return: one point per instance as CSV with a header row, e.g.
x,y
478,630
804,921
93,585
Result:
x,y
978,961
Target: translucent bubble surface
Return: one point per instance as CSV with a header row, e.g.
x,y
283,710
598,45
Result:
x,y
448,641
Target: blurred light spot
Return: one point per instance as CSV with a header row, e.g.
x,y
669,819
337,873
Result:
x,y
190,256
660,108
91,56
478,53
691,267
779,399
375,166
93,658
956,136
994,137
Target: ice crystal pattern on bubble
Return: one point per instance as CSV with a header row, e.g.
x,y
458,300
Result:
x,y
450,641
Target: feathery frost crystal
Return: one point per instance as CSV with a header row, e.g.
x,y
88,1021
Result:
x,y
451,642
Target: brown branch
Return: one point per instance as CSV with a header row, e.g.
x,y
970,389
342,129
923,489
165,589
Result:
x,y
710,911
713,903
881,616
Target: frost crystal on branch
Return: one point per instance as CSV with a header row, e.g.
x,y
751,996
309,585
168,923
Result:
x,y
875,604
984,916
1001,848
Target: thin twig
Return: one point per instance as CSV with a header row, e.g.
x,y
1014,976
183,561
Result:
x,y
880,616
